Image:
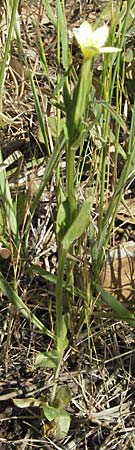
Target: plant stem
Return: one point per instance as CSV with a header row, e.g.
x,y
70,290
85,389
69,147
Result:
x,y
59,287
80,104
59,311
56,376
70,183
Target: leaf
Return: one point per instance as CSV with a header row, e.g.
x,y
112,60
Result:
x,y
79,224
40,114
62,397
62,425
62,219
52,123
18,302
114,114
59,415
61,418
7,202
49,412
26,402
63,32
47,359
2,225
52,278
50,12
22,200
119,309
53,160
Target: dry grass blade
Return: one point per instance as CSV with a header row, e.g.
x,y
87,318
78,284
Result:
x,y
110,414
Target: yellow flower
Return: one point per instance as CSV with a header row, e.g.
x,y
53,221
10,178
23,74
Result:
x,y
91,42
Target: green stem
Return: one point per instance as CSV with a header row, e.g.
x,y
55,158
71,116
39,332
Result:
x,y
80,103
56,376
59,312
59,288
70,183
101,210
58,111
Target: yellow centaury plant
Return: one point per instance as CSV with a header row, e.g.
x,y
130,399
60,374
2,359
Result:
x,y
91,42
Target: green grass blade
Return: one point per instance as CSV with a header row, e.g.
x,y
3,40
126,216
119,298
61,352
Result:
x,y
111,212
53,160
8,203
114,114
63,32
45,275
122,313
40,114
43,58
50,13
20,305
8,42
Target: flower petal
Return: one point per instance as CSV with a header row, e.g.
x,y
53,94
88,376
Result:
x,y
84,35
109,49
100,36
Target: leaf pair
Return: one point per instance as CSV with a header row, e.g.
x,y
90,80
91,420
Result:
x,y
54,414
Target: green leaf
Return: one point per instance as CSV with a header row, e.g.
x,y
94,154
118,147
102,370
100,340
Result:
x,y
79,224
119,309
114,114
47,359
26,402
43,58
62,397
62,425
2,225
52,122
8,205
50,13
22,199
40,114
59,415
52,278
49,412
62,219
61,418
23,308
63,32
53,160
